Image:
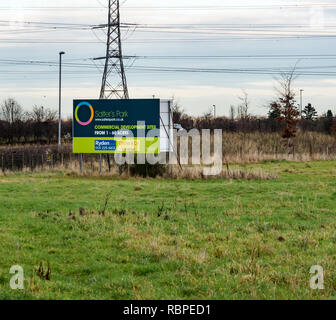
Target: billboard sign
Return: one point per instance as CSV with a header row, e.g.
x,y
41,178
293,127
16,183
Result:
x,y
116,126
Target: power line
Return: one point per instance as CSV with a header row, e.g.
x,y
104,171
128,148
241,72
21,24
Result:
x,y
43,23
278,56
260,32
208,7
169,40
212,31
191,57
173,25
29,63
262,70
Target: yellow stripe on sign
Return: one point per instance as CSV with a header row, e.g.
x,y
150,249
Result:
x,y
128,145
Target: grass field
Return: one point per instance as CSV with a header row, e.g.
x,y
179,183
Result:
x,y
161,239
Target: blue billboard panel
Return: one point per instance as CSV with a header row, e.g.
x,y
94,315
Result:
x,y
116,126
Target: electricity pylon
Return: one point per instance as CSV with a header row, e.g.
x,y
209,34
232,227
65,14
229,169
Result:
x,y
114,84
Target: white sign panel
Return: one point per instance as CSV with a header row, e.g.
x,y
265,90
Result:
x,y
166,125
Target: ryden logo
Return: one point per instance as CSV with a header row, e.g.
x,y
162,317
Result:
x,y
84,104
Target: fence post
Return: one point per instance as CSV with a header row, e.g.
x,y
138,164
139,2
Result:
x,y
109,162
42,161
81,162
23,159
100,163
2,163
12,161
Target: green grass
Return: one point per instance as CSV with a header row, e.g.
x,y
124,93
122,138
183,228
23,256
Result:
x,y
217,239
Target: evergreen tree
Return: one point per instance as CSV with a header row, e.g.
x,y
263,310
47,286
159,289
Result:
x,y
330,114
286,108
309,112
274,111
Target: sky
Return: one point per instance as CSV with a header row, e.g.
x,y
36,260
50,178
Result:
x,y
258,39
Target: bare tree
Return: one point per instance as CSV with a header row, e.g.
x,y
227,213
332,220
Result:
x,y
42,114
243,111
42,120
232,112
13,115
243,107
11,111
208,114
37,115
178,112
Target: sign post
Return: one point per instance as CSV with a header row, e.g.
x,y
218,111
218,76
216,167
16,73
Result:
x,y
116,126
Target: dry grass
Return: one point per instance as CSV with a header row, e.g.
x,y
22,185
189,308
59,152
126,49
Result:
x,y
195,173
238,148
256,147
186,173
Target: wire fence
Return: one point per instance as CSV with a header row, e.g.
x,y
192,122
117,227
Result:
x,y
50,157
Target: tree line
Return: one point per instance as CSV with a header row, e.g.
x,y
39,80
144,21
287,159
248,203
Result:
x,y
40,126
37,126
283,116
249,123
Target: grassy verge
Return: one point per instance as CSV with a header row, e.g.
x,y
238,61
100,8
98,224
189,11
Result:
x,y
162,239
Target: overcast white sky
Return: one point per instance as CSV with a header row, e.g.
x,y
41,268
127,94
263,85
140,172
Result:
x,y
195,91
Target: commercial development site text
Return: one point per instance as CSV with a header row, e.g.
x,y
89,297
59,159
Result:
x,y
206,148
